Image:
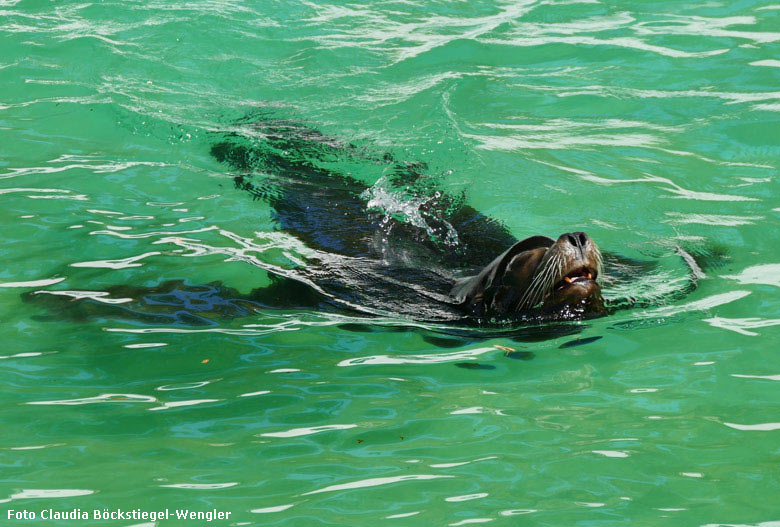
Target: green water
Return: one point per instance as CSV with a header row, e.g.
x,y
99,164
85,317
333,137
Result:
x,y
644,124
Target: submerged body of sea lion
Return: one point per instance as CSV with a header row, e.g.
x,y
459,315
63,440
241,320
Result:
x,y
397,248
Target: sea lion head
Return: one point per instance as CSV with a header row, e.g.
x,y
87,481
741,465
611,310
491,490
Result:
x,y
565,283
538,277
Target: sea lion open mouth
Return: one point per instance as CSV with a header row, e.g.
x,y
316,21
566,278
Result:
x,y
582,274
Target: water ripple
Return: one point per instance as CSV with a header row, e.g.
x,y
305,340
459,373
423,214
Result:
x,y
742,325
98,296
764,377
772,63
620,42
34,283
435,358
724,220
761,427
421,37
184,386
92,164
104,398
179,404
461,463
224,331
705,26
298,432
470,521
674,188
467,497
766,274
402,515
25,354
375,482
252,394
622,92
699,305
611,453
516,512
277,508
121,263
760,524
201,486
47,494
36,447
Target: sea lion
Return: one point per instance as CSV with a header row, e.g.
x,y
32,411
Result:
x,y
436,261
399,248
538,277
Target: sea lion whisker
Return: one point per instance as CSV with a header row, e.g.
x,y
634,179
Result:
x,y
550,275
551,269
556,271
530,291
529,294
599,262
540,283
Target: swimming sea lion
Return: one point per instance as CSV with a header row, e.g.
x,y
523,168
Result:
x,y
411,264
398,248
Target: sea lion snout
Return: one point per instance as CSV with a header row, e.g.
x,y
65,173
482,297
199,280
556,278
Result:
x,y
574,258
578,240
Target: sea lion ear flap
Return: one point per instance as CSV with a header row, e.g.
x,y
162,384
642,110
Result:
x,y
470,289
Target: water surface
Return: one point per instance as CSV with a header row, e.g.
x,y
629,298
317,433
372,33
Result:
x,y
650,126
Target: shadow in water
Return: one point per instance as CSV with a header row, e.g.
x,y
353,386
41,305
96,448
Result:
x,y
176,303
